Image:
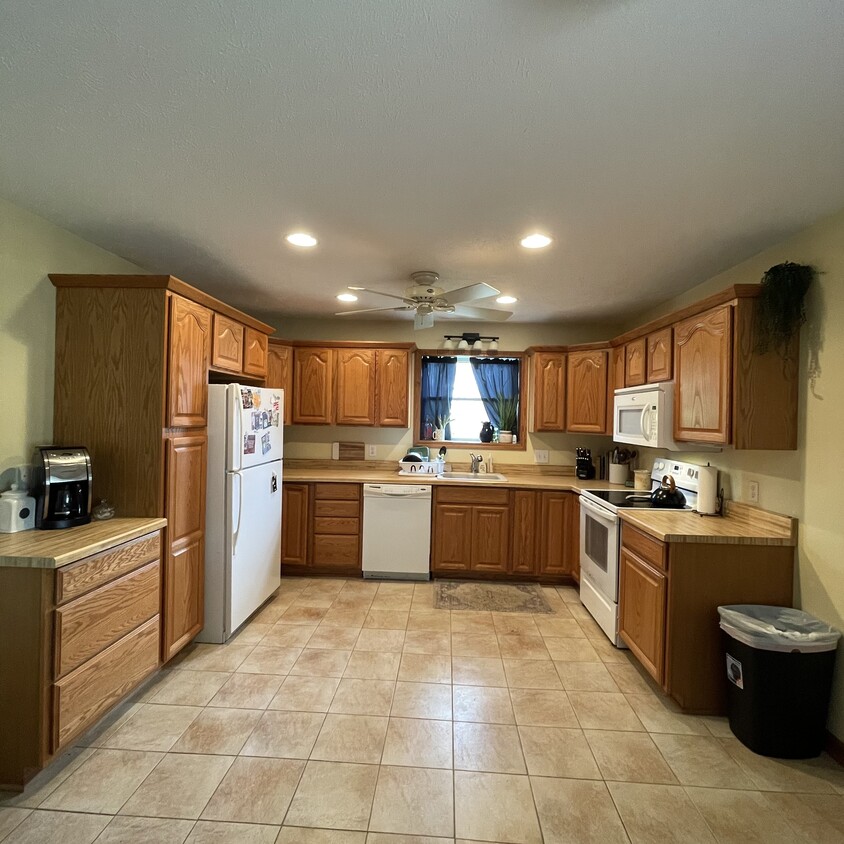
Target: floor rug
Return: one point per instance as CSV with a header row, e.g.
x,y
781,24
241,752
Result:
x,y
486,597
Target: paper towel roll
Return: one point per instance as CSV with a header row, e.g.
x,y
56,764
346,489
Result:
x,y
707,491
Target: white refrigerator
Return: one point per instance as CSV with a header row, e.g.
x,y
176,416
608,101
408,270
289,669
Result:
x,y
243,505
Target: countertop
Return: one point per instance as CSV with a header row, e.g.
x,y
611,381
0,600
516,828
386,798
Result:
x,y
52,549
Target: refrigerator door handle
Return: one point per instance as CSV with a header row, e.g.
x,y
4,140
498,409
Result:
x,y
239,499
235,429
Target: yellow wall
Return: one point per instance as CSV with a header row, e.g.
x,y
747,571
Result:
x,y
804,483
30,247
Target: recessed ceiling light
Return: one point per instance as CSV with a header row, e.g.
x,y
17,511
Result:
x,y
535,241
347,297
506,300
301,239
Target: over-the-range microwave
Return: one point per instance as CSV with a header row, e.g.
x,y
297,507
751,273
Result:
x,y
644,416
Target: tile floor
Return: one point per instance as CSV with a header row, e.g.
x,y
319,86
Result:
x,y
349,712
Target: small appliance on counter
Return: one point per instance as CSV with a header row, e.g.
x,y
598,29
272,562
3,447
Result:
x,y
583,466
61,486
17,510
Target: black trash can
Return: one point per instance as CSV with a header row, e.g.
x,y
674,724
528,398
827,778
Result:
x,y
779,665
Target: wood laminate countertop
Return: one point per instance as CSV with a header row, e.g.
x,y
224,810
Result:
x,y
52,549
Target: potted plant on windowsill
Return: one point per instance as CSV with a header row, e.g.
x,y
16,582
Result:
x,y
508,410
441,424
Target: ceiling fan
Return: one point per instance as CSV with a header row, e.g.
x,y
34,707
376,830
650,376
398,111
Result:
x,y
426,298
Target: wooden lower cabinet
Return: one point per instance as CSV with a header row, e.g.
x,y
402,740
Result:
x,y
524,553
490,539
295,522
451,539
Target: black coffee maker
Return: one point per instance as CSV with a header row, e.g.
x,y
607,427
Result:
x,y
62,486
583,466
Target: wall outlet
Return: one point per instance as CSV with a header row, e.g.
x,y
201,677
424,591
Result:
x,y
335,451
372,450
753,492
541,455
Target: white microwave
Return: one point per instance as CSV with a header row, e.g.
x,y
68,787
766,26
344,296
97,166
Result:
x,y
644,416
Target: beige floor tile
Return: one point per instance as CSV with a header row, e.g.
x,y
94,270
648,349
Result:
x,y
10,817
433,620
718,727
267,660
314,600
152,727
568,649
659,814
334,638
289,635
531,674
604,711
558,752
336,795
483,704
422,700
213,657
284,734
129,830
425,668
741,817
576,609
494,748
247,691
45,782
629,679
608,653
389,838
413,801
427,642
577,812
255,790
658,715
629,757
351,738
495,807
57,828
554,627
188,688
381,641
475,644
320,663
542,708
698,760
514,624
305,694
592,630
418,743
370,665
467,621
217,832
104,782
392,602
339,617
363,697
386,619
300,835
302,615
522,646
252,633
817,818
270,613
217,730
356,603
585,677
395,588
179,787
478,671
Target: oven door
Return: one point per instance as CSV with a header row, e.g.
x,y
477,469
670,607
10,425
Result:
x,y
599,548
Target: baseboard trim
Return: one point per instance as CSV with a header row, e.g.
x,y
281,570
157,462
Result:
x,y
835,747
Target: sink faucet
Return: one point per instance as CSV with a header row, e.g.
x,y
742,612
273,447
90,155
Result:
x,y
477,459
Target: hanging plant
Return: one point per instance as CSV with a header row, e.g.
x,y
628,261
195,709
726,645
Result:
x,y
780,308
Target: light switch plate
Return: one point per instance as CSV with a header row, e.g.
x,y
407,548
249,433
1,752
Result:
x,y
372,451
541,455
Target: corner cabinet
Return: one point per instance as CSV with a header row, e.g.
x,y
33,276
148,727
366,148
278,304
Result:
x,y
587,391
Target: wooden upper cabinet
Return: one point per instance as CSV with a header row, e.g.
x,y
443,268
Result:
x,y
702,366
313,386
280,375
660,356
549,391
355,390
227,344
393,378
586,392
188,359
634,363
617,374
255,353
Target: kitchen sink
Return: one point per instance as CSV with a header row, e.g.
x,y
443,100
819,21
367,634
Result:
x,y
471,477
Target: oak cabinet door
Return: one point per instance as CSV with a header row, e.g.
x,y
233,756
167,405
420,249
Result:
x,y
703,386
255,345
549,391
188,359
393,371
184,568
355,391
451,548
227,345
524,556
554,519
573,539
586,394
280,375
618,368
295,522
634,363
490,528
313,386
642,603
660,356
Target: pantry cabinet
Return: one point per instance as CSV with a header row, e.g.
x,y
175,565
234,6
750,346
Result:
x,y
549,391
295,522
280,374
587,391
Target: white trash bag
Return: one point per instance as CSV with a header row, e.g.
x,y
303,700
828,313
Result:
x,y
777,628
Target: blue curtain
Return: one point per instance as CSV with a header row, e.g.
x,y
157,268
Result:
x,y
496,377
437,389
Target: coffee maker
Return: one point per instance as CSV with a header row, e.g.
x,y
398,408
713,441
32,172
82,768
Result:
x,y
62,486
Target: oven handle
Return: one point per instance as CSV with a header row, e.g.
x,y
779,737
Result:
x,y
598,512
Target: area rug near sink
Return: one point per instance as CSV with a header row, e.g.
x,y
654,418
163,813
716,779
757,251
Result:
x,y
486,597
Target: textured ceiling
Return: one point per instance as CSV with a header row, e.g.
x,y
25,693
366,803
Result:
x,y
658,141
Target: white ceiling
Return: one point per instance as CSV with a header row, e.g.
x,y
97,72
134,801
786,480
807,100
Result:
x,y
658,141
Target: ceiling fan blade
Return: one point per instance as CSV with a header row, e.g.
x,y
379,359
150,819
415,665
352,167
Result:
x,y
423,321
379,293
481,290
486,314
373,310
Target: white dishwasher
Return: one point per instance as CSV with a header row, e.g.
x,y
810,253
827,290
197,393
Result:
x,y
397,531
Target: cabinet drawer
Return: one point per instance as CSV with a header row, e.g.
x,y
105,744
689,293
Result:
x,y
91,623
337,492
85,694
645,547
471,495
336,551
78,578
334,525
337,508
